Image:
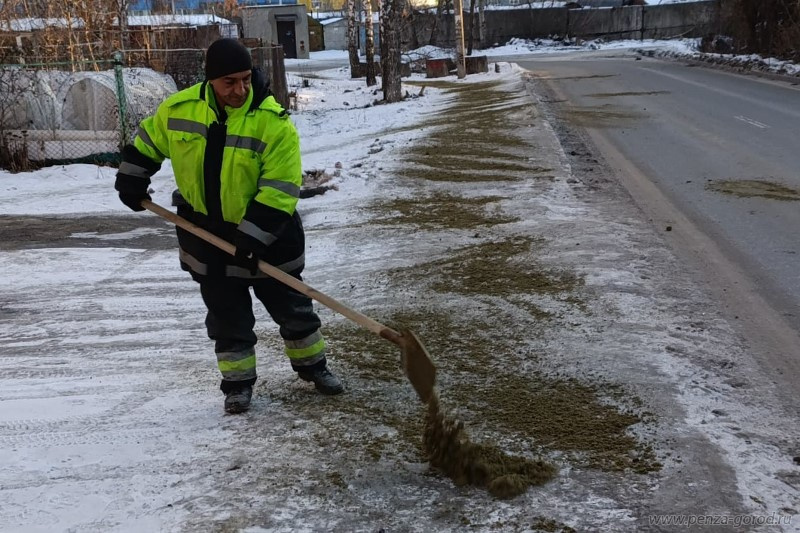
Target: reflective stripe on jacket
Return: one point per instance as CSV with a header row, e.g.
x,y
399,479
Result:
x,y
260,159
239,168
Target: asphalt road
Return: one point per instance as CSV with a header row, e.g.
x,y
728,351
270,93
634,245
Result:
x,y
669,131
684,127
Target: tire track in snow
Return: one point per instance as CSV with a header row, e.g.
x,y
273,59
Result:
x,y
88,435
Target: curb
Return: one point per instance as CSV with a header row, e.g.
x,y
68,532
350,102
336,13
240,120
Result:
x,y
708,63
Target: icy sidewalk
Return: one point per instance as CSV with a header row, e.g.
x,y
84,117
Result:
x,y
557,317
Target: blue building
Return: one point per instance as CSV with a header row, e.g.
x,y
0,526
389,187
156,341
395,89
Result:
x,y
192,6
176,6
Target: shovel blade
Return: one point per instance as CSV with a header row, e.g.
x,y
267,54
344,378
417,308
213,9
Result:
x,y
417,364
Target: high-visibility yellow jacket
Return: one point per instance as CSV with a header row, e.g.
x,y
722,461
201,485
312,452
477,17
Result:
x,y
236,169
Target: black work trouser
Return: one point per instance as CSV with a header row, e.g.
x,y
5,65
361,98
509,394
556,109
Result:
x,y
230,323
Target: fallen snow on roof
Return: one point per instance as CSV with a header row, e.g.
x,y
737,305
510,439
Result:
x,y
32,23
326,22
204,19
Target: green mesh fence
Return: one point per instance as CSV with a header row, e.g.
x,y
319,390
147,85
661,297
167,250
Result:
x,y
84,111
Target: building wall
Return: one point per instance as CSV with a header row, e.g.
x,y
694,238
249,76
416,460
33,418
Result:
x,y
196,6
260,23
376,38
248,3
315,36
179,5
335,35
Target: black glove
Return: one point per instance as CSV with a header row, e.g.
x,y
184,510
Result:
x,y
134,200
134,178
245,253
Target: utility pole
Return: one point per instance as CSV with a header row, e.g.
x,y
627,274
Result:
x,y
461,67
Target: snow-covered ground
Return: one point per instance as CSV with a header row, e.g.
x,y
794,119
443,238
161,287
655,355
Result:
x,y
109,415
518,46
323,15
679,48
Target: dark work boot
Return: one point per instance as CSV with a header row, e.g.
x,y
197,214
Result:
x,y
324,380
238,400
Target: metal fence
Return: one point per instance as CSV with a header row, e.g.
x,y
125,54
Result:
x,y
72,112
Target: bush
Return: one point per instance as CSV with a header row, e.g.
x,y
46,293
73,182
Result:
x,y
14,154
766,27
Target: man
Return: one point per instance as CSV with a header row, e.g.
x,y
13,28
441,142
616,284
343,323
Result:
x,y
236,159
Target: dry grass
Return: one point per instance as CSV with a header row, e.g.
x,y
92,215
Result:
x,y
485,360
599,117
754,189
627,93
440,211
474,139
480,364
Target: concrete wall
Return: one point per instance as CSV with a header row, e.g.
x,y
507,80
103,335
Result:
x,y
691,19
418,32
413,35
501,25
601,3
609,23
259,22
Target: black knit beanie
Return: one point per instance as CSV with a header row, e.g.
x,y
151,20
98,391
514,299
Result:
x,y
226,56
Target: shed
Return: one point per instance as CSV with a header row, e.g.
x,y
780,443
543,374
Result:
x,y
335,33
335,30
316,38
286,25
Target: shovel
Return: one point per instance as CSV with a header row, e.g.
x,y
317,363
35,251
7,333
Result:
x,y
417,363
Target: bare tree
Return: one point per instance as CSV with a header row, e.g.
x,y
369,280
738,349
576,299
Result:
x,y
769,27
122,21
471,27
352,39
12,153
391,19
440,5
72,30
161,7
412,26
481,21
459,22
370,43
225,9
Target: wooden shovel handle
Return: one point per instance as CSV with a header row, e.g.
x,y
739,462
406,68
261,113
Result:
x,y
361,319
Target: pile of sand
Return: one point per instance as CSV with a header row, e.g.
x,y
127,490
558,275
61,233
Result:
x,y
449,449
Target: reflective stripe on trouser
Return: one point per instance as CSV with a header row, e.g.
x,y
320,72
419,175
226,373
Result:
x,y
230,319
233,271
306,351
237,366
